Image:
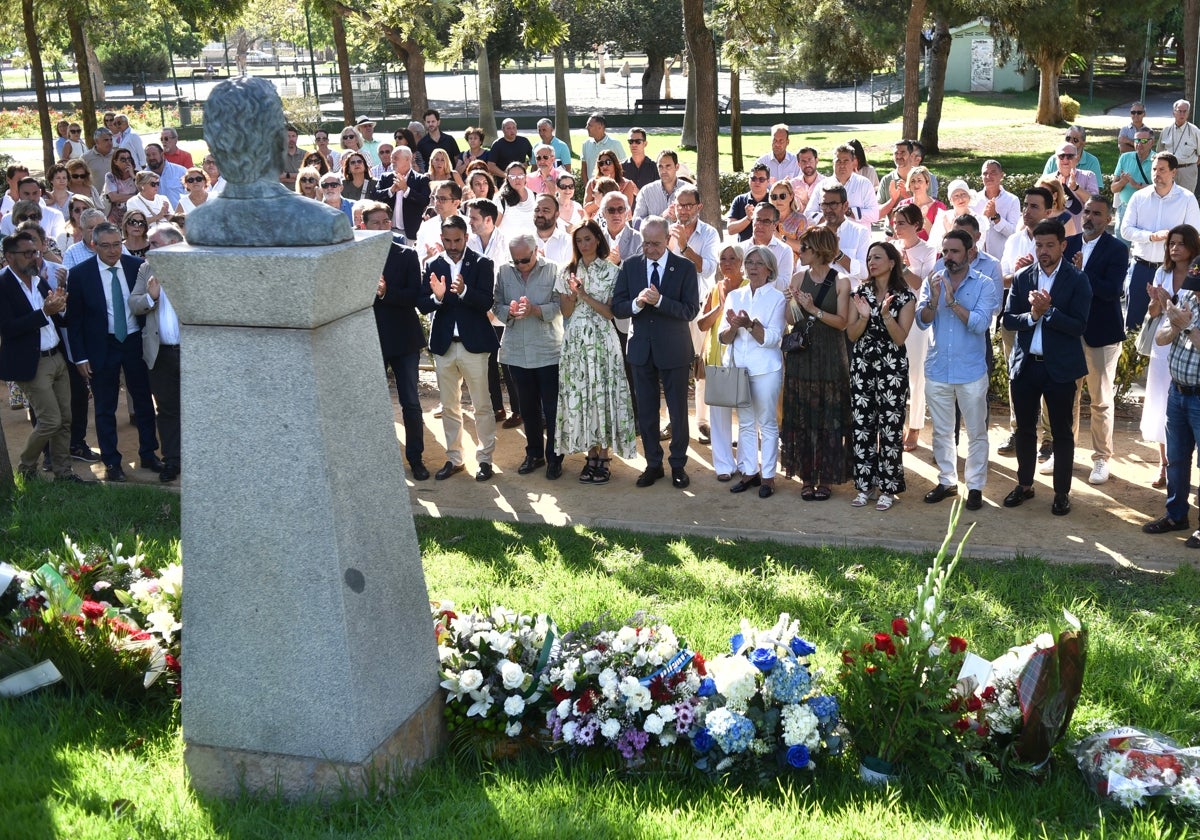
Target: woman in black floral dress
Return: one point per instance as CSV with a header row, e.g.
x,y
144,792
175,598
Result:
x,y
880,318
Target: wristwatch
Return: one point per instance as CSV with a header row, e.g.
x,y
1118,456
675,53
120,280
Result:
x,y
995,218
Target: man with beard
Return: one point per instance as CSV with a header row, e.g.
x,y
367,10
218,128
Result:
x,y
860,197
853,238
553,243
1048,308
893,186
808,179
170,176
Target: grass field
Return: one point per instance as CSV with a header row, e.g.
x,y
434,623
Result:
x,y
82,767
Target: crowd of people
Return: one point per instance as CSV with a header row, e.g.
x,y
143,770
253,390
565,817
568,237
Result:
x,y
859,305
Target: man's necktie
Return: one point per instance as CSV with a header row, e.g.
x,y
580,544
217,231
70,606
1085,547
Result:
x,y
654,278
120,328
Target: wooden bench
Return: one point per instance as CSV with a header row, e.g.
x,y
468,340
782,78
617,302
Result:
x,y
653,106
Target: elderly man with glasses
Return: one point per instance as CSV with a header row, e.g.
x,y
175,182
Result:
x,y
169,138
1077,137
1182,139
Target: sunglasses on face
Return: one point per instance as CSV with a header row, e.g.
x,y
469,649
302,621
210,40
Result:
x,y
614,210
566,186
525,261
151,184
136,223
547,157
759,179
195,179
1137,112
305,180
1066,156
1142,140
780,197
331,186
75,176
75,131
634,141
1075,140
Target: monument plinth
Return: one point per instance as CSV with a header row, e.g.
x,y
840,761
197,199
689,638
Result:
x,y
309,662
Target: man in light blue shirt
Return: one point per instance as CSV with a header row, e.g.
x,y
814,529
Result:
x,y
596,143
1077,137
562,152
957,304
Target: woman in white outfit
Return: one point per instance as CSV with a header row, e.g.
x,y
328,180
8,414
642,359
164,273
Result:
x,y
712,323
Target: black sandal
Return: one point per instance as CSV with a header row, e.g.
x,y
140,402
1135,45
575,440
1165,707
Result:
x,y
601,474
588,475
808,492
822,493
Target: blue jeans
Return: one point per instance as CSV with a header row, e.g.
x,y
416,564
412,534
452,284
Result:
x,y
1183,432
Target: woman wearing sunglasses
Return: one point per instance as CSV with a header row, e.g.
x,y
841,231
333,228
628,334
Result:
x,y
153,207
195,185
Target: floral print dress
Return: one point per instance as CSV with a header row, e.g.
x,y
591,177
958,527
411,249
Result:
x,y
594,403
878,396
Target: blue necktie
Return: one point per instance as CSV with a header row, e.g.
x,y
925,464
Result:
x,y
120,327
654,278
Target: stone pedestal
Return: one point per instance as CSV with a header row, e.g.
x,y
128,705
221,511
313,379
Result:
x,y
309,658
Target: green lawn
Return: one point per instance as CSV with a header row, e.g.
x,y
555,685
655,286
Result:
x,y
82,767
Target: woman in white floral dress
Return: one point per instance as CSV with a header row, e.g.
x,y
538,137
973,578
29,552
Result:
x,y
595,411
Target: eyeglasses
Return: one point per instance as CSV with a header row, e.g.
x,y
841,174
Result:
x,y
614,210
442,199
199,179
682,206
151,184
385,150
25,253
320,137
76,176
779,196
569,186
525,261
764,221
105,245
634,141
758,179
517,176
136,223
1065,156
331,186
75,131
36,218
356,162
1131,111
829,205
547,157
1074,139
1143,140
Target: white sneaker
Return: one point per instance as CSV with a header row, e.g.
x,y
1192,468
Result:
x,y
1099,472
1046,467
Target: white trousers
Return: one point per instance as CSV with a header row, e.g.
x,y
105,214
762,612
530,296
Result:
x,y
758,426
972,401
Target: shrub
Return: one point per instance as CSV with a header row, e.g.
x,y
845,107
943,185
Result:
x,y
1070,107
132,63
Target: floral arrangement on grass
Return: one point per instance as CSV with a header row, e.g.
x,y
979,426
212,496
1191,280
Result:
x,y
106,621
626,688
901,700
490,665
1130,767
764,709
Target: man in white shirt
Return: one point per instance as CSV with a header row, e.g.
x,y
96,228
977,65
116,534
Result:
x,y
447,196
853,239
385,160
125,138
657,196
697,242
29,189
1149,216
553,243
779,161
485,239
766,217
1182,139
860,197
488,241
170,175
1001,208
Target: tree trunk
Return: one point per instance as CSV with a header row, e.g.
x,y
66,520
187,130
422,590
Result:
x,y
562,118
1191,28
1049,110
494,75
687,137
343,60
703,80
652,78
912,67
413,57
939,57
38,74
96,73
735,119
83,65
487,115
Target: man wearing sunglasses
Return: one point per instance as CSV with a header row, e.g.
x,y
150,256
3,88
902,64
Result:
x,y
638,167
169,138
739,219
31,355
170,175
1085,160
597,142
1133,171
1127,135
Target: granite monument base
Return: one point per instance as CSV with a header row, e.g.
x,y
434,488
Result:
x,y
309,657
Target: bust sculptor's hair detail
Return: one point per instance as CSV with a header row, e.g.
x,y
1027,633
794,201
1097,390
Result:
x,y
244,127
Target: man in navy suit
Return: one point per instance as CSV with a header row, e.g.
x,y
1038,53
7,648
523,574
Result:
x,y
106,340
459,290
1048,309
660,292
401,338
31,354
406,193
1105,261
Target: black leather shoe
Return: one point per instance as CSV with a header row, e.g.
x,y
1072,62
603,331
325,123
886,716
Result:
x,y
554,469
1165,525
679,478
419,472
513,421
1193,541
485,472
1017,496
153,463
1061,505
114,473
1009,447
766,491
170,473
974,499
530,464
1045,451
746,483
940,492
651,475
449,469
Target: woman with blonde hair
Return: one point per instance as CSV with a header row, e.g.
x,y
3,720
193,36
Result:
x,y
306,182
711,322
791,222
195,183
919,184
154,207
441,169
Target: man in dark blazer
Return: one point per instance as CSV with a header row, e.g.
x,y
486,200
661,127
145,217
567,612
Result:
x,y
406,193
1048,309
104,346
660,292
31,354
1105,261
459,289
401,337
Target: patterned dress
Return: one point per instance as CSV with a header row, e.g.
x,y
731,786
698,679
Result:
x,y
878,394
594,404
816,399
